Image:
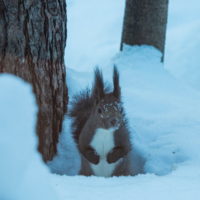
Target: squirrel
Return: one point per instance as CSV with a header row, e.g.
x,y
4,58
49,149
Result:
x,y
100,129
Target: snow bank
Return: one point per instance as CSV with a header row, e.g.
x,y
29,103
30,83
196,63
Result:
x,y
67,160
164,121
22,173
182,185
163,112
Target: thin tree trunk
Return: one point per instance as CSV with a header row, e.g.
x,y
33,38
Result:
x,y
32,42
145,23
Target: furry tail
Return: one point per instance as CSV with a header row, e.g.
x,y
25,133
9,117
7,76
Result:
x,y
80,110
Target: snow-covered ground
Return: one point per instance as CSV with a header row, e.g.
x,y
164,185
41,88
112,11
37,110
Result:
x,y
162,103
22,172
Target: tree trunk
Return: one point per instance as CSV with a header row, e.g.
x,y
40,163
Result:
x,y
145,23
32,42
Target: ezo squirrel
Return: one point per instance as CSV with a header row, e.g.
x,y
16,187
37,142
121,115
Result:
x,y
100,129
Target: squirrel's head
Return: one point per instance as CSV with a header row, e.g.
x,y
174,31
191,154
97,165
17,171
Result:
x,y
107,109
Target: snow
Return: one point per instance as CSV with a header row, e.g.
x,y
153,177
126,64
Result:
x,y
67,160
22,172
162,104
174,186
94,32
183,41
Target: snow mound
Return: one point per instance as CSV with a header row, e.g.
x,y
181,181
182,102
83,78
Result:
x,y
23,175
163,118
162,112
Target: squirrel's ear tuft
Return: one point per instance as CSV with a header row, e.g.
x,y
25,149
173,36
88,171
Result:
x,y
117,89
98,87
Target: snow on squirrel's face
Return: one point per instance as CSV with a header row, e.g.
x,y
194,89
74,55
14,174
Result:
x,y
108,112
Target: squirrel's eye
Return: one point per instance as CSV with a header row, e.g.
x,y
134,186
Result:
x,y
99,110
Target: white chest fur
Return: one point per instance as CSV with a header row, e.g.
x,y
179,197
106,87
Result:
x,y
103,143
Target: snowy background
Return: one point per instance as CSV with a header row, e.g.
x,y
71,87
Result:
x,y
162,103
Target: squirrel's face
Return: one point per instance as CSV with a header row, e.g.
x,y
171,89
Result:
x,y
108,112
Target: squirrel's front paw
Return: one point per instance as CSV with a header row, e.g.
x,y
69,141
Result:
x,y
95,159
115,155
92,156
111,158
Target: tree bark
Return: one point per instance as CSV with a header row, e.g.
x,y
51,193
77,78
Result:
x,y
145,23
32,43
